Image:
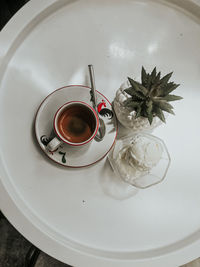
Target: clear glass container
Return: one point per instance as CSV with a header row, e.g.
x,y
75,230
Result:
x,y
141,160
126,115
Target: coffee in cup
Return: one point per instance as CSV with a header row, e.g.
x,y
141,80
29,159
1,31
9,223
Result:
x,y
75,123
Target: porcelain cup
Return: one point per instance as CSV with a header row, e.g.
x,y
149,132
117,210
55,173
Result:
x,y
75,124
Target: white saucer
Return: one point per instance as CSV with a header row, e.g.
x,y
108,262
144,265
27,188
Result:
x,y
65,155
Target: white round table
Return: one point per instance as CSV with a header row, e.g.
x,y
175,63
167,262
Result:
x,y
72,214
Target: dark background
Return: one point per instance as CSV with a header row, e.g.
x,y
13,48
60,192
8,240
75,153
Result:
x,y
8,8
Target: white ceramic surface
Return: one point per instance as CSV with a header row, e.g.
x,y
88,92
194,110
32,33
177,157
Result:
x,y
66,155
66,213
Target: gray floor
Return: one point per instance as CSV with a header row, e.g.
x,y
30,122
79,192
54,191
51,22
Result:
x,y
14,247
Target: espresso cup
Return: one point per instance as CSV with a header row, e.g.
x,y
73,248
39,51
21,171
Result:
x,y
75,123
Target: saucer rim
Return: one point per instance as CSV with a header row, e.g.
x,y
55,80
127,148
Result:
x,y
35,130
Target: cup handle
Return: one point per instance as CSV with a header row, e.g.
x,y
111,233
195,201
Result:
x,y
54,144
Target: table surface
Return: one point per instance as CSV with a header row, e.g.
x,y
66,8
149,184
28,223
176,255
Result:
x,y
48,207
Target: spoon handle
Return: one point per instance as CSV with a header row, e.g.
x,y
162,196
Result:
x,y
93,87
102,129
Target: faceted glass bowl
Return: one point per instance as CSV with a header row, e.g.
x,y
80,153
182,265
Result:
x,y
147,175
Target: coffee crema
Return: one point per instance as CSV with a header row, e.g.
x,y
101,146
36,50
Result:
x,y
76,123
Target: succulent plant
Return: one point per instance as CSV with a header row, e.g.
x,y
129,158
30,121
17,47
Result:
x,y
150,97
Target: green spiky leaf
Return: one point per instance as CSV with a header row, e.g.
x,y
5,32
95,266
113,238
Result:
x,y
169,98
129,91
149,111
138,112
131,104
150,117
150,97
148,81
169,88
153,75
144,76
166,78
138,87
164,106
133,84
143,89
135,93
157,79
159,113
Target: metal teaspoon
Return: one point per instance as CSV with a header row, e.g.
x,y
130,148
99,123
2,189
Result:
x,y
102,128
